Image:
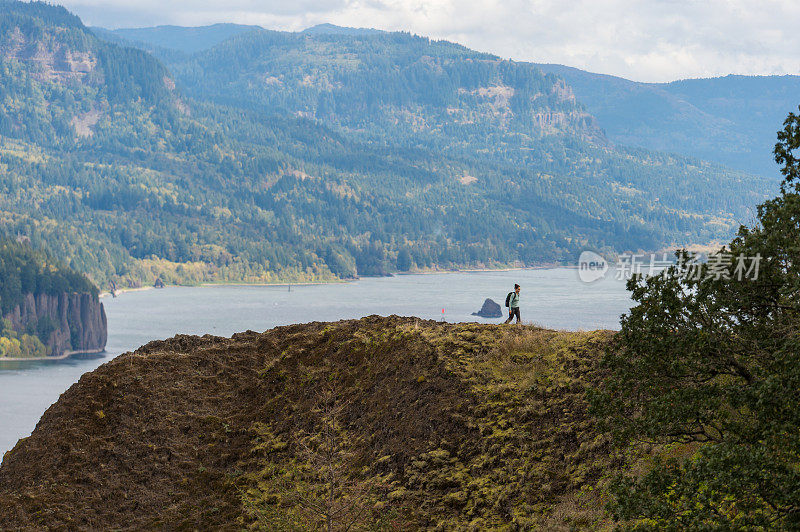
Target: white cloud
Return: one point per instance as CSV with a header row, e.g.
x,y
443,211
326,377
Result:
x,y
647,40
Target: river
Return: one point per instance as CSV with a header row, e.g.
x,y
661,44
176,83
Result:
x,y
553,298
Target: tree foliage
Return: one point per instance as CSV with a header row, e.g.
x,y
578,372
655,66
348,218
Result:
x,y
712,359
24,270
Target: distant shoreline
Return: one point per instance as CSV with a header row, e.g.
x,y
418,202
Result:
x,y
345,281
319,283
395,274
489,270
124,290
65,354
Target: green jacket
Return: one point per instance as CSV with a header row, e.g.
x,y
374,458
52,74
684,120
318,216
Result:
x,y
514,303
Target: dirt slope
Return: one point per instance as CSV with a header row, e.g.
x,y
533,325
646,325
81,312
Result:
x,y
432,425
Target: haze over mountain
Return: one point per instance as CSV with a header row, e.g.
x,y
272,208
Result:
x,y
332,29
730,120
177,37
281,156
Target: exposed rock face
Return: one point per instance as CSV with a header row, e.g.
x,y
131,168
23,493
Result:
x,y
490,309
78,320
56,61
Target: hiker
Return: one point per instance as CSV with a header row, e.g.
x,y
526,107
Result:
x,y
512,302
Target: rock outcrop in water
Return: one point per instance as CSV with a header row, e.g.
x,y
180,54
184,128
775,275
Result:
x,y
69,322
490,309
435,426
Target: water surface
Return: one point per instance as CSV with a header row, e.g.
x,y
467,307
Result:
x,y
553,298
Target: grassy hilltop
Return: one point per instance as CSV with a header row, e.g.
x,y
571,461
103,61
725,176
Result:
x,y
382,423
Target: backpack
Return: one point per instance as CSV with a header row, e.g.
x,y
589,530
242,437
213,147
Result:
x,y
508,298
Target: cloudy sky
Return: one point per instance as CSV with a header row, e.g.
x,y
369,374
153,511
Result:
x,y
644,40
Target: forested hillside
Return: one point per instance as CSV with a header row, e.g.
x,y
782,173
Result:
x,y
275,157
28,276
27,271
729,120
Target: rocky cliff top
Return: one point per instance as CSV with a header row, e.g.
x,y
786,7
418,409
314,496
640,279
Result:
x,y
430,424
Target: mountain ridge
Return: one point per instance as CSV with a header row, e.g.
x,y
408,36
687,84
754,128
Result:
x,y
181,38
284,157
730,120
663,117
327,28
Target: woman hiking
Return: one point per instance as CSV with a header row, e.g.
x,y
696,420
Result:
x,y
512,301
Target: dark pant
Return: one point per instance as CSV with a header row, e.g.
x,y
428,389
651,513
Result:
x,y
513,311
